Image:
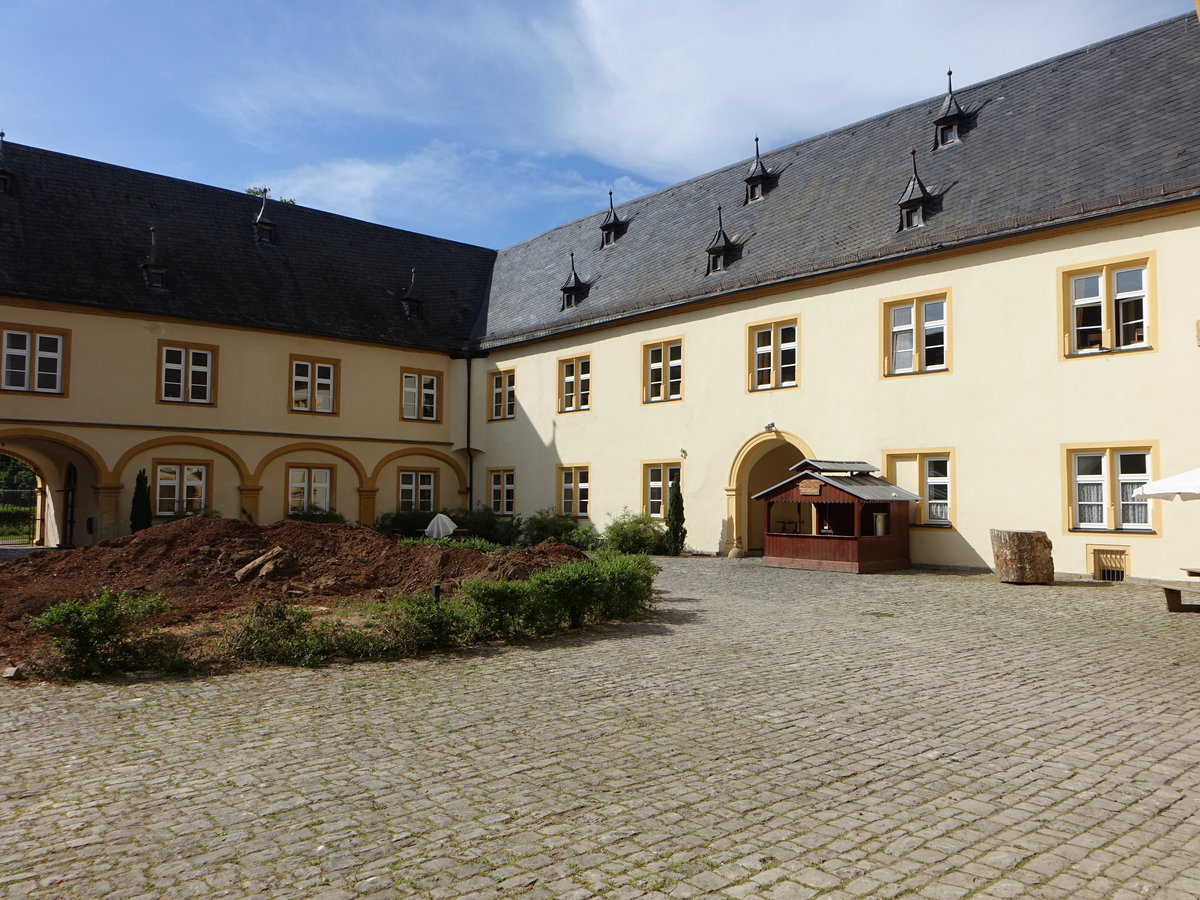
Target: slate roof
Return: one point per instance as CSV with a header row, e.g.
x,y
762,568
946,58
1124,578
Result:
x,y
78,231
1110,127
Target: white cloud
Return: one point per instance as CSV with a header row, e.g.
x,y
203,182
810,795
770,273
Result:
x,y
449,189
677,87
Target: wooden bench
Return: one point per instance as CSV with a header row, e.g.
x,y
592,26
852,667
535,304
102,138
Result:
x,y
1174,594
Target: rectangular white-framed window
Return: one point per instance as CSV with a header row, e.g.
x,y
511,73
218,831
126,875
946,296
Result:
x,y
773,353
34,360
504,395
915,335
503,491
310,488
936,470
1107,307
1103,490
420,395
574,491
662,374
928,473
186,373
575,384
417,490
314,385
657,478
181,487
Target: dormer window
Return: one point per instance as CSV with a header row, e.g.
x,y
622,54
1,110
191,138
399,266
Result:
x,y
5,181
575,290
156,277
414,309
265,232
721,248
914,200
949,117
613,225
757,179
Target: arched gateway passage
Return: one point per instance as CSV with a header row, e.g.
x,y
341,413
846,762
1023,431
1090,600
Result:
x,y
68,476
761,462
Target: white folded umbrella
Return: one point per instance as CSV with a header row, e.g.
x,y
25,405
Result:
x,y
440,526
1184,486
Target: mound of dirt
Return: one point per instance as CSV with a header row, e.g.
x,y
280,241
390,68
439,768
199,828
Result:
x,y
219,565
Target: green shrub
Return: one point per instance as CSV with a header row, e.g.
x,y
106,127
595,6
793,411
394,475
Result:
x,y
276,632
405,626
627,584
546,523
498,606
317,514
632,532
583,536
140,514
407,523
483,522
563,595
108,633
673,541
470,543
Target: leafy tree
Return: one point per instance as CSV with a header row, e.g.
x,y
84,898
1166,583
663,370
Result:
x,y
266,192
15,475
676,533
140,515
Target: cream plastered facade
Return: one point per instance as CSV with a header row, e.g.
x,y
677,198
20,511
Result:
x,y
109,421
1008,412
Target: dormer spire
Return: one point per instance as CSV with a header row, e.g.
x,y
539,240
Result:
x,y
721,248
949,117
152,259
758,177
912,202
613,225
575,289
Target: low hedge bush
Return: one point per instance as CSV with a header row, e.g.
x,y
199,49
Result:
x,y
110,633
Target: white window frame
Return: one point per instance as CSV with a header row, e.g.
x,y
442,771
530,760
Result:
x,y
314,384
574,494
664,371
775,355
912,328
575,384
310,487
503,491
417,490
1109,503
658,477
939,483
193,373
37,366
1103,319
186,487
504,394
419,396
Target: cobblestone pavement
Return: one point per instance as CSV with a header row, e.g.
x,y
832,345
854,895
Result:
x,y
767,733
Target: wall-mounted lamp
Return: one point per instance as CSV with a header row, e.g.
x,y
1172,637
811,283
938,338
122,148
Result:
x,y
682,453
770,426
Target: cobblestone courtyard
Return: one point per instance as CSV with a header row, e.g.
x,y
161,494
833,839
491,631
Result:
x,y
767,733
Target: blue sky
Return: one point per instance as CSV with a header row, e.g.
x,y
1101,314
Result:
x,y
492,122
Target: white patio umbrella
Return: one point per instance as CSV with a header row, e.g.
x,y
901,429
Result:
x,y
440,526
1184,486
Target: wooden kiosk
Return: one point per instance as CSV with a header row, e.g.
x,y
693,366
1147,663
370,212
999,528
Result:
x,y
836,517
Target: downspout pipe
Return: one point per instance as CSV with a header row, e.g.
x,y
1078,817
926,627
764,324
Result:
x,y
470,448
